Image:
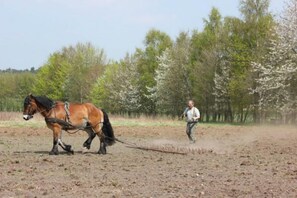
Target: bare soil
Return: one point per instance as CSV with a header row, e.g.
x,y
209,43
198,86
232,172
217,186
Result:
x,y
246,161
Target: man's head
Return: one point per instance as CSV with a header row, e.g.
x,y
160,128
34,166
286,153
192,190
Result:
x,y
190,103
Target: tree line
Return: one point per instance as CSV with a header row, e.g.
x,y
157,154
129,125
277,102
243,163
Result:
x,y
236,69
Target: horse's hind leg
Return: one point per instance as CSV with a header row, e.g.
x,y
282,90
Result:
x,y
102,148
88,142
97,130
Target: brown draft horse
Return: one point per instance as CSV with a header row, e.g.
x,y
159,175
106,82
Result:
x,y
79,116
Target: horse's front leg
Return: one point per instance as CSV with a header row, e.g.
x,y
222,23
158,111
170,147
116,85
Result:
x,y
56,141
55,150
66,147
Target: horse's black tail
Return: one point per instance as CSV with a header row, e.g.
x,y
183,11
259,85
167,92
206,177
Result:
x,y
108,130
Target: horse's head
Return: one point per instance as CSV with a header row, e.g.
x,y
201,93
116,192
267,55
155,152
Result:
x,y
30,107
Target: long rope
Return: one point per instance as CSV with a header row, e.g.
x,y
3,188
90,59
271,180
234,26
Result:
x,y
156,149
135,146
121,141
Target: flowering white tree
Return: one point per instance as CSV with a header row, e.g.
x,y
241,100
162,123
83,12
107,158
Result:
x,y
127,93
158,93
278,70
221,87
118,89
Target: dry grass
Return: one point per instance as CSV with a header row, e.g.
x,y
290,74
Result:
x,y
15,119
10,116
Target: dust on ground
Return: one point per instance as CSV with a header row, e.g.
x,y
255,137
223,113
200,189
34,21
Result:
x,y
247,161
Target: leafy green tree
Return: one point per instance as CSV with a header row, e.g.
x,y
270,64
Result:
x,y
86,64
24,84
104,87
258,23
14,87
237,60
50,78
155,43
206,55
70,73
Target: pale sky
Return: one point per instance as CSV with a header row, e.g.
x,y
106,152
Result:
x,y
33,29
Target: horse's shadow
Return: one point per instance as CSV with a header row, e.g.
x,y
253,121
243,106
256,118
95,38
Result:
x,y
60,153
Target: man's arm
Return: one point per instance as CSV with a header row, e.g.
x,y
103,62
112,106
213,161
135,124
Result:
x,y
197,114
184,114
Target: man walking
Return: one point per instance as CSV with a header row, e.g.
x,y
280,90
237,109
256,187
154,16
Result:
x,y
192,115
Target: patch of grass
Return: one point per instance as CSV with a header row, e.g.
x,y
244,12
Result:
x,y
159,122
228,123
127,122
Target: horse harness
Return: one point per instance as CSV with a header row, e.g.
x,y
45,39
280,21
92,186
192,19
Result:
x,y
66,124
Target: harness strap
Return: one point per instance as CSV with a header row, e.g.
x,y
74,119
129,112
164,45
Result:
x,y
68,126
66,107
64,124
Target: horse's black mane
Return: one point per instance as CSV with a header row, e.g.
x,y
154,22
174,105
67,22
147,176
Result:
x,y
42,100
45,101
27,101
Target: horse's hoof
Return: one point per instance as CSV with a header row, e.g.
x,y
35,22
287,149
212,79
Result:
x,y
102,152
86,145
68,147
53,153
85,150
